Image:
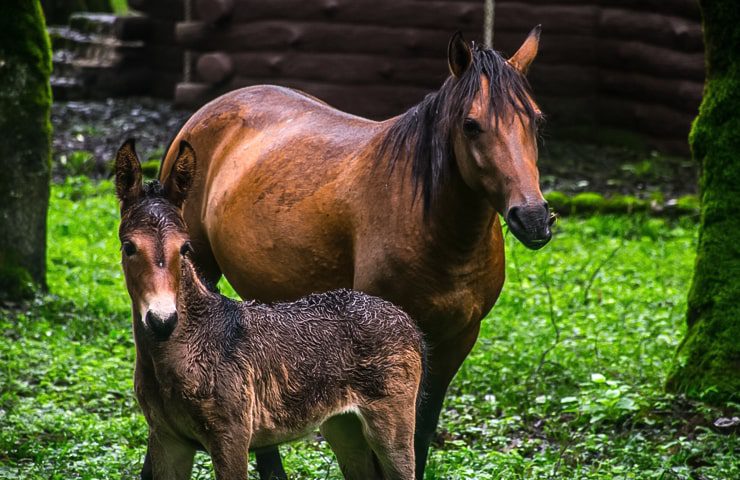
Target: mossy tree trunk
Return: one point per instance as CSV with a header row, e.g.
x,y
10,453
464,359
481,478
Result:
x,y
25,147
708,360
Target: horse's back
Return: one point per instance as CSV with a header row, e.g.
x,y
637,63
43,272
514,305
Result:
x,y
275,167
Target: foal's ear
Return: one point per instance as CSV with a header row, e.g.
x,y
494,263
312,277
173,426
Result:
x,y
181,176
523,57
459,56
128,174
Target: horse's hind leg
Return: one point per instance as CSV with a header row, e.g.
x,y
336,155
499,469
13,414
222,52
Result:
x,y
356,459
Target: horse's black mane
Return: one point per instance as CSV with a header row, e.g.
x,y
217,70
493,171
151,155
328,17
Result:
x,y
423,133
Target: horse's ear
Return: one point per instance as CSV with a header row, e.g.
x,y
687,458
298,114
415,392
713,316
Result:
x,y
128,174
523,57
181,176
459,55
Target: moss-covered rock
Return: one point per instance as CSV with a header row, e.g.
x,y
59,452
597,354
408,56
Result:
x,y
25,102
688,204
587,202
707,362
625,204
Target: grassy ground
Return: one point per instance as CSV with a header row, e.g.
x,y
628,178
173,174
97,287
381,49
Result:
x,y
565,381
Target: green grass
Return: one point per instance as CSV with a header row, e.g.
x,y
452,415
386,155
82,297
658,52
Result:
x,y
565,381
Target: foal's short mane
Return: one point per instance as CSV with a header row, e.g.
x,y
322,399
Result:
x,y
152,210
423,133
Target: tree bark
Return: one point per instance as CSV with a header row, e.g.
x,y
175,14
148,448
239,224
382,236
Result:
x,y
708,360
25,148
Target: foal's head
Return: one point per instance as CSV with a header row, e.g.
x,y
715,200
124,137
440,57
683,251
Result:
x,y
153,236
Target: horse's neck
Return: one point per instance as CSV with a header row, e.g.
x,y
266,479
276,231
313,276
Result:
x,y
459,221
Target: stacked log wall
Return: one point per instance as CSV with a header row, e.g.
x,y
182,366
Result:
x,y
628,64
163,53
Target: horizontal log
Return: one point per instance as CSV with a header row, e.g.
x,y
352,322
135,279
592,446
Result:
x,y
553,49
340,68
400,13
670,31
649,59
215,67
372,101
563,80
651,118
212,11
173,10
684,8
681,94
315,37
567,111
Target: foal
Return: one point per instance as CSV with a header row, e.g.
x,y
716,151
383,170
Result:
x,y
227,376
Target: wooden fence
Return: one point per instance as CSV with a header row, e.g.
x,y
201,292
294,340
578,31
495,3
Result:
x,y
629,64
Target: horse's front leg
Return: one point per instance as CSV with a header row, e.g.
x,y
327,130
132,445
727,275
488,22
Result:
x,y
269,465
442,365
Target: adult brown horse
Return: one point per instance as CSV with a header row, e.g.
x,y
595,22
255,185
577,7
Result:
x,y
292,196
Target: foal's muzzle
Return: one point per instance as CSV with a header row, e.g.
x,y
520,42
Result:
x,y
530,223
161,326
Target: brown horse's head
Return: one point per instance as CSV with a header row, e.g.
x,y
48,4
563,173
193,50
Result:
x,y
483,123
494,139
153,236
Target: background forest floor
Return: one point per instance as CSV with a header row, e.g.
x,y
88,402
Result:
x,y
565,381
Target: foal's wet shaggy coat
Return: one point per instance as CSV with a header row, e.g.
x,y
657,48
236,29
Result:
x,y
227,376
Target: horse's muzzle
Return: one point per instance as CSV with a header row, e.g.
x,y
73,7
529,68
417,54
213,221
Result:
x,y
530,223
161,325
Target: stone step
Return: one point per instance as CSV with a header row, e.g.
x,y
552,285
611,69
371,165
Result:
x,y
90,23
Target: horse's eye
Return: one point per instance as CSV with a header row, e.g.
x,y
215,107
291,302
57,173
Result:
x,y
128,248
471,128
186,248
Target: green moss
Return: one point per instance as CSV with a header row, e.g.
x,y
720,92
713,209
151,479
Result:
x,y
625,204
558,201
587,202
708,360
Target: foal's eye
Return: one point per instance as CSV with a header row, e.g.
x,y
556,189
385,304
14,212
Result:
x,y
186,248
471,127
128,248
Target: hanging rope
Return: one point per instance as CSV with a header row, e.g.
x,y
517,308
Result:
x,y
188,55
488,17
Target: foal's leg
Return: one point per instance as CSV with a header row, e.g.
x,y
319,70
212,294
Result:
x,y
167,458
356,459
443,362
230,454
389,430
